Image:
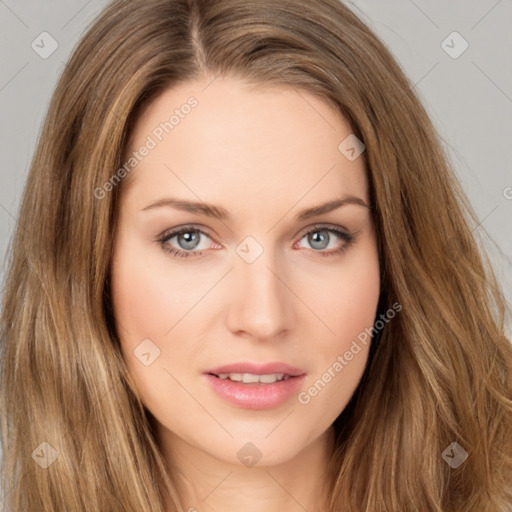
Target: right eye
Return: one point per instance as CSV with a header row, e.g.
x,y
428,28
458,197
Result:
x,y
188,239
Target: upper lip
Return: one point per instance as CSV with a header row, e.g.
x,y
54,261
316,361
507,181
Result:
x,y
257,369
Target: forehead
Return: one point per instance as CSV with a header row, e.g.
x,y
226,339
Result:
x,y
227,139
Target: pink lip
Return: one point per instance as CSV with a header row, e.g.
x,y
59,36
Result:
x,y
256,395
257,369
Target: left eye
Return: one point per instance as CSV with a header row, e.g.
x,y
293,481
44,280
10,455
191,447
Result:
x,y
319,238
188,239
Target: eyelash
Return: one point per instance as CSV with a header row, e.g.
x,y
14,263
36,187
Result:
x,y
349,239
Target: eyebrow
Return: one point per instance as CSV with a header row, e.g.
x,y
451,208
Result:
x,y
217,212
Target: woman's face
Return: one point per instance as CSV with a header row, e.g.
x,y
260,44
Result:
x,y
266,275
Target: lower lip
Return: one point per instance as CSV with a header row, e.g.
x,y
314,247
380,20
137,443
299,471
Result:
x,y
255,395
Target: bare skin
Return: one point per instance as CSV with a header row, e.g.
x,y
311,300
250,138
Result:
x,y
264,155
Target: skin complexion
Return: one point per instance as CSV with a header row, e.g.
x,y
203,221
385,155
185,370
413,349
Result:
x,y
259,277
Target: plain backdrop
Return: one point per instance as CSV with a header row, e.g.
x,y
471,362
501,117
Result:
x,y
457,53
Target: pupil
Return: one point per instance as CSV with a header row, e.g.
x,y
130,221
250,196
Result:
x,y
190,239
319,237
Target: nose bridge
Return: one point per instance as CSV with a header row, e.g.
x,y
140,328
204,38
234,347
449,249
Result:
x,y
261,304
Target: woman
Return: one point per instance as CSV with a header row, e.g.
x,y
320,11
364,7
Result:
x,y
243,277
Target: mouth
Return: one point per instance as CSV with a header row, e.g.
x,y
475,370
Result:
x,y
250,386
248,372
251,378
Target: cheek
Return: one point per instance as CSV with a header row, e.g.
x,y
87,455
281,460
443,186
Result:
x,y
347,298
144,297
347,305
140,302
146,307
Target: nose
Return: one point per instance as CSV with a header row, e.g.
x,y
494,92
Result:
x,y
261,303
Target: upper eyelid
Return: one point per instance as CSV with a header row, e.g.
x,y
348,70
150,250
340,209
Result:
x,y
186,228
171,233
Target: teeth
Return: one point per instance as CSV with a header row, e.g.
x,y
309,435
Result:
x,y
248,378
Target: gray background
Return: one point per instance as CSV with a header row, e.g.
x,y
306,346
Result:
x,y
469,97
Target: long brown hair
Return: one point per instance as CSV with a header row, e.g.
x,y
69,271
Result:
x,y
439,373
